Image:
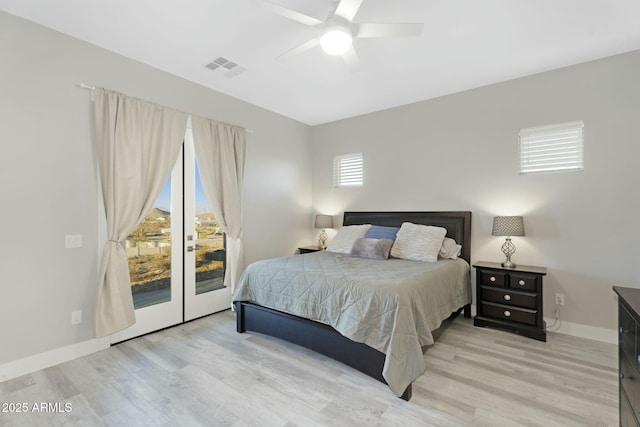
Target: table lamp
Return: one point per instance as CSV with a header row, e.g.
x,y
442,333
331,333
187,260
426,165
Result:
x,y
323,222
508,226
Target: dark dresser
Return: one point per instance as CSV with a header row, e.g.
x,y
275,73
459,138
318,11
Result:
x,y
510,298
629,355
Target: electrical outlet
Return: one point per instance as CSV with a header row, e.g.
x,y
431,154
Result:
x,y
76,317
560,299
73,241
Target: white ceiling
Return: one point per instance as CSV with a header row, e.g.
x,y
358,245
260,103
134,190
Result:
x,y
465,44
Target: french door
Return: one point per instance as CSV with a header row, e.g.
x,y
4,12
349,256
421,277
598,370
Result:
x,y
177,255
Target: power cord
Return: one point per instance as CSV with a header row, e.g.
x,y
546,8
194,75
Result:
x,y
556,323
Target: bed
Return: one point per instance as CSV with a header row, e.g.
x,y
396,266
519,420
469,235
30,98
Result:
x,y
386,343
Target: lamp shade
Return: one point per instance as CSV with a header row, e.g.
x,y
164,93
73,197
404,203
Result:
x,y
508,226
324,221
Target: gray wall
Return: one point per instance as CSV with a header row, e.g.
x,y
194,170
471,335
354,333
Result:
x,y
455,152
48,186
460,152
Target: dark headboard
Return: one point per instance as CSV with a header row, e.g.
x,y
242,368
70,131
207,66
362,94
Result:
x,y
457,223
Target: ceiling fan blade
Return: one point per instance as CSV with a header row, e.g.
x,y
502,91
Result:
x,y
351,59
388,30
301,48
347,9
292,14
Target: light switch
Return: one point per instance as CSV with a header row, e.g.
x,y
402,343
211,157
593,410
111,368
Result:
x,y
73,241
76,317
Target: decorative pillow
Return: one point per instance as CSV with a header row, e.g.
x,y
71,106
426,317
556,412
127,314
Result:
x,y
343,242
418,242
371,248
450,249
381,232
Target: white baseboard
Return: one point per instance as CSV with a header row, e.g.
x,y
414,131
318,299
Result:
x,y
53,357
584,331
44,360
579,330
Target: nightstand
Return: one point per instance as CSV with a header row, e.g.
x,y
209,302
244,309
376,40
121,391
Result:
x,y
308,249
510,298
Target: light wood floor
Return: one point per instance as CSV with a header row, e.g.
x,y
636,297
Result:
x,y
205,374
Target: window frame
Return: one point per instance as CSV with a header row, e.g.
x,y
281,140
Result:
x,y
565,139
348,170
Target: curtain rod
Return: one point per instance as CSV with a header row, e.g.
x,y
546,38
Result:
x,y
92,88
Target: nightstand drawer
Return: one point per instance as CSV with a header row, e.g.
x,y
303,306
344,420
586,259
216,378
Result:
x,y
492,278
506,296
526,282
509,313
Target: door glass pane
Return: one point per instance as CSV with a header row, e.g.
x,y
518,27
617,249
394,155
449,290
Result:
x,y
210,250
149,254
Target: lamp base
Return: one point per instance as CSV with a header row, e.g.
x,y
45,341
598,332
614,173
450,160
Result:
x,y
508,264
508,249
322,240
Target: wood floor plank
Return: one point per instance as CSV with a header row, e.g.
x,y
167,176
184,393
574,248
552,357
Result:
x,y
203,373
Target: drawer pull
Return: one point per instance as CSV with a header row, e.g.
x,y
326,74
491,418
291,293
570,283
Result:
x,y
507,297
522,282
507,313
492,278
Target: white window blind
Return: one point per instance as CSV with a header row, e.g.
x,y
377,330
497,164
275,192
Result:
x,y
552,148
347,170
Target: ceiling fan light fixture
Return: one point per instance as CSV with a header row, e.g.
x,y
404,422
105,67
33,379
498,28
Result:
x,y
336,40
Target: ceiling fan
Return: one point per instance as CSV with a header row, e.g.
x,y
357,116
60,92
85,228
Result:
x,y
338,30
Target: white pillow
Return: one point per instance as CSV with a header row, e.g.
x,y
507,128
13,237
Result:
x,y
346,237
418,242
450,249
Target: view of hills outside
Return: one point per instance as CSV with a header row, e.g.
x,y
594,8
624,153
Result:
x,y
149,255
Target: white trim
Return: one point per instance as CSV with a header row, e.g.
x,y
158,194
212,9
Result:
x,y
585,331
44,360
348,170
50,358
553,148
579,330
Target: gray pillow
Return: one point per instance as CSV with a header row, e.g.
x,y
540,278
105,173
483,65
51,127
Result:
x,y
371,248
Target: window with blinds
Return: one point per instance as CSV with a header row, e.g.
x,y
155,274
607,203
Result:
x,y
552,148
347,170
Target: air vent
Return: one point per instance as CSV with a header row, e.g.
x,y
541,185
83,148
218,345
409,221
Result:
x,y
228,68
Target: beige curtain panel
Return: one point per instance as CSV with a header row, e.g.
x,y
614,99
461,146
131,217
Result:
x,y
138,144
220,152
